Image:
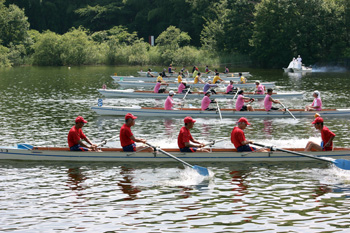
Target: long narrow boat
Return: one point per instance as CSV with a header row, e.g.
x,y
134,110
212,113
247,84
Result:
x,y
27,153
198,85
197,112
234,74
167,79
131,93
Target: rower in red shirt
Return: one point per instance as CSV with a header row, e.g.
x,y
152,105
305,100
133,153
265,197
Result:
x,y
238,138
127,138
326,135
76,137
185,140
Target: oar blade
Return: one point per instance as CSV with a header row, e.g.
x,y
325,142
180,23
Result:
x,y
342,163
201,170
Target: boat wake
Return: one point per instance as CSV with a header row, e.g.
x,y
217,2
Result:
x,y
328,69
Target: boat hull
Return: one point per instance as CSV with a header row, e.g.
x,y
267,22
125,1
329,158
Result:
x,y
228,113
197,85
167,79
116,155
175,74
130,93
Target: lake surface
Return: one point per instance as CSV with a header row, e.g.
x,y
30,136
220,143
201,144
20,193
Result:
x,y
39,105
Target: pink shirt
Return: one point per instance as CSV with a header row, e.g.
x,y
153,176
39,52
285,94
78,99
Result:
x,y
267,102
239,102
317,102
260,89
205,102
157,87
180,88
229,88
169,103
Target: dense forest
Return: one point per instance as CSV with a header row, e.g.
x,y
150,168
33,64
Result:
x,y
265,33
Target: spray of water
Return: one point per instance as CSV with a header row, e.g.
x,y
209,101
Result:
x,y
328,69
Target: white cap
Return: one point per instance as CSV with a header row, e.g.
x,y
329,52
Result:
x,y
171,93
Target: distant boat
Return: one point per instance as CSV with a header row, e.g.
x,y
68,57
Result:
x,y
295,66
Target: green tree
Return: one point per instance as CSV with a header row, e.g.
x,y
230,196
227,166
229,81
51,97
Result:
x,y
78,48
171,40
4,60
13,25
48,50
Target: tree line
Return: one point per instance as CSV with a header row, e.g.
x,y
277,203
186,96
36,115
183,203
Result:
x,y
268,33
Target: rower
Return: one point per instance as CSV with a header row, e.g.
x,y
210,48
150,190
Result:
x,y
217,79
242,79
157,87
185,140
208,86
269,100
169,102
240,106
198,78
76,137
226,71
260,89
149,73
316,104
326,135
179,77
127,138
206,102
238,138
229,88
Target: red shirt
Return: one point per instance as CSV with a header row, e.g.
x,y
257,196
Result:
x,y
124,135
326,134
237,137
74,136
184,136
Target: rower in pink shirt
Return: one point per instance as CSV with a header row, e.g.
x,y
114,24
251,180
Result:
x,y
241,100
157,87
229,87
269,100
316,104
169,102
260,89
206,102
181,88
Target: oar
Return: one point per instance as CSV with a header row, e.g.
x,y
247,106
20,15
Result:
x,y
341,163
288,111
236,93
217,105
201,170
183,99
105,141
215,141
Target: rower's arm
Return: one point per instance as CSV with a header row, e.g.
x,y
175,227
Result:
x,y
137,139
329,141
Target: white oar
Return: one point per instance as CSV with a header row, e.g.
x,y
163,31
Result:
x,y
105,141
236,93
288,111
215,141
201,170
341,163
183,99
217,105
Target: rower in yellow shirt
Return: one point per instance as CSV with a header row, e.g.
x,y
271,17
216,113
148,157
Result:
x,y
179,78
198,79
160,78
217,79
242,79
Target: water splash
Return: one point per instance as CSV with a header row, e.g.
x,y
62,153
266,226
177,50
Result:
x,y
328,69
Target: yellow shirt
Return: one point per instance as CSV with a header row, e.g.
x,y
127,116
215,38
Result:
x,y
242,79
195,73
216,78
159,78
196,79
179,79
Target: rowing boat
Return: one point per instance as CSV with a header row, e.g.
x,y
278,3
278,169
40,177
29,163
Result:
x,y
175,74
131,93
198,85
167,79
26,152
197,112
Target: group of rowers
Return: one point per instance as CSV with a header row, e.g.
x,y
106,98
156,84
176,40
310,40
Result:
x,y
77,141
242,102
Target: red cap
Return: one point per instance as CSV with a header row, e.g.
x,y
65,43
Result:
x,y
129,115
244,120
189,119
318,120
80,119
